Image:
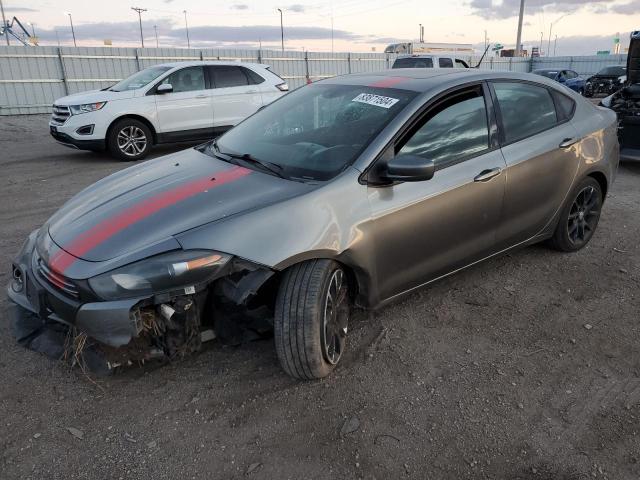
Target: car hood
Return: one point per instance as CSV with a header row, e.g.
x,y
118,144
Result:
x,y
633,59
147,204
94,96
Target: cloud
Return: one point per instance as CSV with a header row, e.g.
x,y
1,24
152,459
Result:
x,y
19,9
296,7
630,8
492,9
239,6
201,36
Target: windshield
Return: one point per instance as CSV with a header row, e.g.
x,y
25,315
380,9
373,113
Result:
x,y
315,132
552,74
613,71
140,79
413,62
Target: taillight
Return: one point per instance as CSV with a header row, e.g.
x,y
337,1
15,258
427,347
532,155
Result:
x,y
283,87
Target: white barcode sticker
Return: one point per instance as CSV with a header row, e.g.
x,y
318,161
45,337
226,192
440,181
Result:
x,y
189,290
376,100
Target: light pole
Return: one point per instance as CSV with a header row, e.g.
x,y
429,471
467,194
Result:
x,y
541,40
187,27
519,37
33,33
140,10
281,30
155,29
419,33
73,33
555,46
4,23
551,29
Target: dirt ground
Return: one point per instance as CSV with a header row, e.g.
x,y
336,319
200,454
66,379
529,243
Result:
x,y
524,367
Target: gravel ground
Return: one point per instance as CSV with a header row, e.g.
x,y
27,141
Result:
x,y
523,367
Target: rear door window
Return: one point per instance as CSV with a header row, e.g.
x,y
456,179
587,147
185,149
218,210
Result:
x,y
225,76
525,109
445,63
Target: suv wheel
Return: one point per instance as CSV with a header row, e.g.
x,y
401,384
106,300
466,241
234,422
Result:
x,y
311,318
129,140
579,218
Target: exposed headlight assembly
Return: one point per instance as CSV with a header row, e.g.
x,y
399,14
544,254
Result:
x,y
86,107
162,273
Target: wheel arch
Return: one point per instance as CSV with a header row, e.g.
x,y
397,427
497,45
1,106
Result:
x,y
140,118
601,178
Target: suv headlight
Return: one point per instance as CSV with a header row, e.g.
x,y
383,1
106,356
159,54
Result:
x,y
86,107
162,273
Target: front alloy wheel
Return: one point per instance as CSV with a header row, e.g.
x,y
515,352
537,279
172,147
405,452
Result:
x,y
579,218
129,139
311,318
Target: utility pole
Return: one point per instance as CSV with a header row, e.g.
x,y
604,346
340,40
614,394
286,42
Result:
x,y
140,10
155,29
4,23
73,33
186,25
281,30
486,40
519,38
555,46
541,40
419,33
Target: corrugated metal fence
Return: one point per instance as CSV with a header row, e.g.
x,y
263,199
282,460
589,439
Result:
x,y
31,78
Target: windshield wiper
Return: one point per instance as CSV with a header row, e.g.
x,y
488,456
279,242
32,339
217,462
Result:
x,y
271,167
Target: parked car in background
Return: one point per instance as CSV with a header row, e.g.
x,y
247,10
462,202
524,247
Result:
x,y
440,170
429,61
165,103
626,103
606,81
568,78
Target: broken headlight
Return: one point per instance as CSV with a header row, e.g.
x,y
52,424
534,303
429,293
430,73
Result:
x,y
169,271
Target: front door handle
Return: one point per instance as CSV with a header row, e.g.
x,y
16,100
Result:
x,y
567,142
486,175
202,96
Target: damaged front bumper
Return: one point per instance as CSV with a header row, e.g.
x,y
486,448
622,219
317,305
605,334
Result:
x,y
113,323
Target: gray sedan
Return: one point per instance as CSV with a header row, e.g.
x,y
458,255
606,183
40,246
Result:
x,y
350,191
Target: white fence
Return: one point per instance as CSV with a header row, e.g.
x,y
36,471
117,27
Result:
x,y
31,78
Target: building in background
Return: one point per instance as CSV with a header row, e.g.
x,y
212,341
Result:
x,y
433,48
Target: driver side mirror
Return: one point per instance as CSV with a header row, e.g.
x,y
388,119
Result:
x,y
409,168
164,88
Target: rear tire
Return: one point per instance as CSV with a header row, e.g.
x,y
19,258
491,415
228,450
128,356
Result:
x,y
129,140
311,318
579,217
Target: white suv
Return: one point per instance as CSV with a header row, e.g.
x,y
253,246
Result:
x,y
165,103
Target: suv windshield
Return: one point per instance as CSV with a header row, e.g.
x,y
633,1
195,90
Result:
x,y
613,71
140,79
316,131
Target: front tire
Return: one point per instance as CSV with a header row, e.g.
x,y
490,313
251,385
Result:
x,y
129,140
579,217
311,318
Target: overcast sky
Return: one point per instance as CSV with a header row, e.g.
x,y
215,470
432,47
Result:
x,y
358,25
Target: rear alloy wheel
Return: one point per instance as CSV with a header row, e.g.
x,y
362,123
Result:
x,y
579,218
311,318
129,140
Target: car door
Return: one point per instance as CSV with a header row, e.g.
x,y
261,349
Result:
x,y
574,82
426,229
186,111
538,143
235,96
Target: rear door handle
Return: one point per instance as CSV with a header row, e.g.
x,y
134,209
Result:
x,y
567,142
202,96
486,175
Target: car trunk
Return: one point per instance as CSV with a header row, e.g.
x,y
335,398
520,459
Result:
x,y
626,103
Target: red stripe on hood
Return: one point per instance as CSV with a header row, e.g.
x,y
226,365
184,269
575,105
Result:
x,y
104,230
389,82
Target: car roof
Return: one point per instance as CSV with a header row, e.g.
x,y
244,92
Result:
x,y
425,79
194,63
